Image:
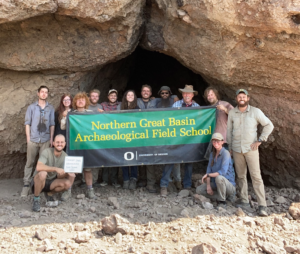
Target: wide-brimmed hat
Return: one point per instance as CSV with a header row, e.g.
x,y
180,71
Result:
x,y
164,88
112,91
188,89
217,136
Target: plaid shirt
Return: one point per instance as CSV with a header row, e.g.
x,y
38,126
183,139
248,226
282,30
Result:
x,y
178,104
107,107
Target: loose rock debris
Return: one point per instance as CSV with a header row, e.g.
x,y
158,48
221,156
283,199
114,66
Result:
x,y
124,221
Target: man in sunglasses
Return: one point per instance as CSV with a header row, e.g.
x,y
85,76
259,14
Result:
x,y
39,128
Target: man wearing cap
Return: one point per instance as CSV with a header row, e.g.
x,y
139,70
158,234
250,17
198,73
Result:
x,y
243,143
166,101
187,93
219,180
111,105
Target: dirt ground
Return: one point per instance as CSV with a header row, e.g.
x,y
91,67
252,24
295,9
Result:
x,y
145,223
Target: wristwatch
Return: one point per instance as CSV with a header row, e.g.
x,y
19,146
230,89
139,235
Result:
x,y
208,175
259,140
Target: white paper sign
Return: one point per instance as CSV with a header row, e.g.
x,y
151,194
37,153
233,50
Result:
x,y
73,164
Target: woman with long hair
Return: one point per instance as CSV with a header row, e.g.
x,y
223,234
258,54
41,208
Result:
x,y
65,105
129,102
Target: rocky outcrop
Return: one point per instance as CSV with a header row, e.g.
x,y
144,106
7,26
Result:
x,y
234,44
74,45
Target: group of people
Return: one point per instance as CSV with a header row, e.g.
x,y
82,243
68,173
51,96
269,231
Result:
x,y
235,142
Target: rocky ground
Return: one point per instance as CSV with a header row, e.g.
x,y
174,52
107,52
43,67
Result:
x,y
125,221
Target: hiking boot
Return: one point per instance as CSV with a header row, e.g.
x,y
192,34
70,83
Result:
x,y
242,204
151,189
163,191
48,197
142,183
36,206
97,185
231,198
132,184
116,185
262,211
178,185
103,184
25,191
126,184
221,204
66,195
90,193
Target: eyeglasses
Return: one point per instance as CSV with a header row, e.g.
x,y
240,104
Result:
x,y
164,93
42,111
216,141
66,100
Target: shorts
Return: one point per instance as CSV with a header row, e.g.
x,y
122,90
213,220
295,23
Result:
x,y
46,187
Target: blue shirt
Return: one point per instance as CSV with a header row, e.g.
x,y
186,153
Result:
x,y
178,104
40,121
222,165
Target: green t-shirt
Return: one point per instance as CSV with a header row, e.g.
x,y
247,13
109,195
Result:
x,y
48,158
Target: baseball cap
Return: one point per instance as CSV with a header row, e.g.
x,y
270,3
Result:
x,y
217,136
241,91
112,91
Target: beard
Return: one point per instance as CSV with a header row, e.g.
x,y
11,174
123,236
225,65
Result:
x,y
165,103
243,105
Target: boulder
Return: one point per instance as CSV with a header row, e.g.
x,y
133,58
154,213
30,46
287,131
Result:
x,y
294,210
114,224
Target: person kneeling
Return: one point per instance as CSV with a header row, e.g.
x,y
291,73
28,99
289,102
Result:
x,y
49,176
219,180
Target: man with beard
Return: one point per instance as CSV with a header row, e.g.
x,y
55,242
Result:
x,y
167,101
94,106
243,144
49,176
187,93
211,95
39,128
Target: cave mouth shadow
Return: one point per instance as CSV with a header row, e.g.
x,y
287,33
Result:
x,y
147,67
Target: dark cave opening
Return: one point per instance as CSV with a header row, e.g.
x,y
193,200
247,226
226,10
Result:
x,y
147,67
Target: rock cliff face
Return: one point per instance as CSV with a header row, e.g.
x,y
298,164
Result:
x,y
71,45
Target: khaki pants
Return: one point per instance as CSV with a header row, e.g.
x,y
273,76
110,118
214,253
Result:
x,y
222,189
250,159
33,149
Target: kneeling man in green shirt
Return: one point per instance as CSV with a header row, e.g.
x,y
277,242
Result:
x,y
49,176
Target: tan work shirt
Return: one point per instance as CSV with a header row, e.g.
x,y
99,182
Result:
x,y
242,128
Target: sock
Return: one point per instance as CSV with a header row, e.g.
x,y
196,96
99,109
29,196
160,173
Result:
x,y
70,188
89,186
26,185
36,198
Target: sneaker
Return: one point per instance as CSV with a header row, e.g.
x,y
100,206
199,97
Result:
x,y
48,197
66,195
36,206
126,184
116,185
221,204
262,211
103,184
97,185
132,184
163,191
232,197
142,183
151,189
178,185
90,193
25,191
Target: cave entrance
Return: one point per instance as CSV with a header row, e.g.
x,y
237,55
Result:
x,y
147,67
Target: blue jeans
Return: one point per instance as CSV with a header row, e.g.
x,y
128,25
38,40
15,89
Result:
x,y
133,173
187,179
176,173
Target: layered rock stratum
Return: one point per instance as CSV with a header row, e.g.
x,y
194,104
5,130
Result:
x,y
231,44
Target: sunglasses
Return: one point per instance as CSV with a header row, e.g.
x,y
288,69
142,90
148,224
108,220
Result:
x,y
164,93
